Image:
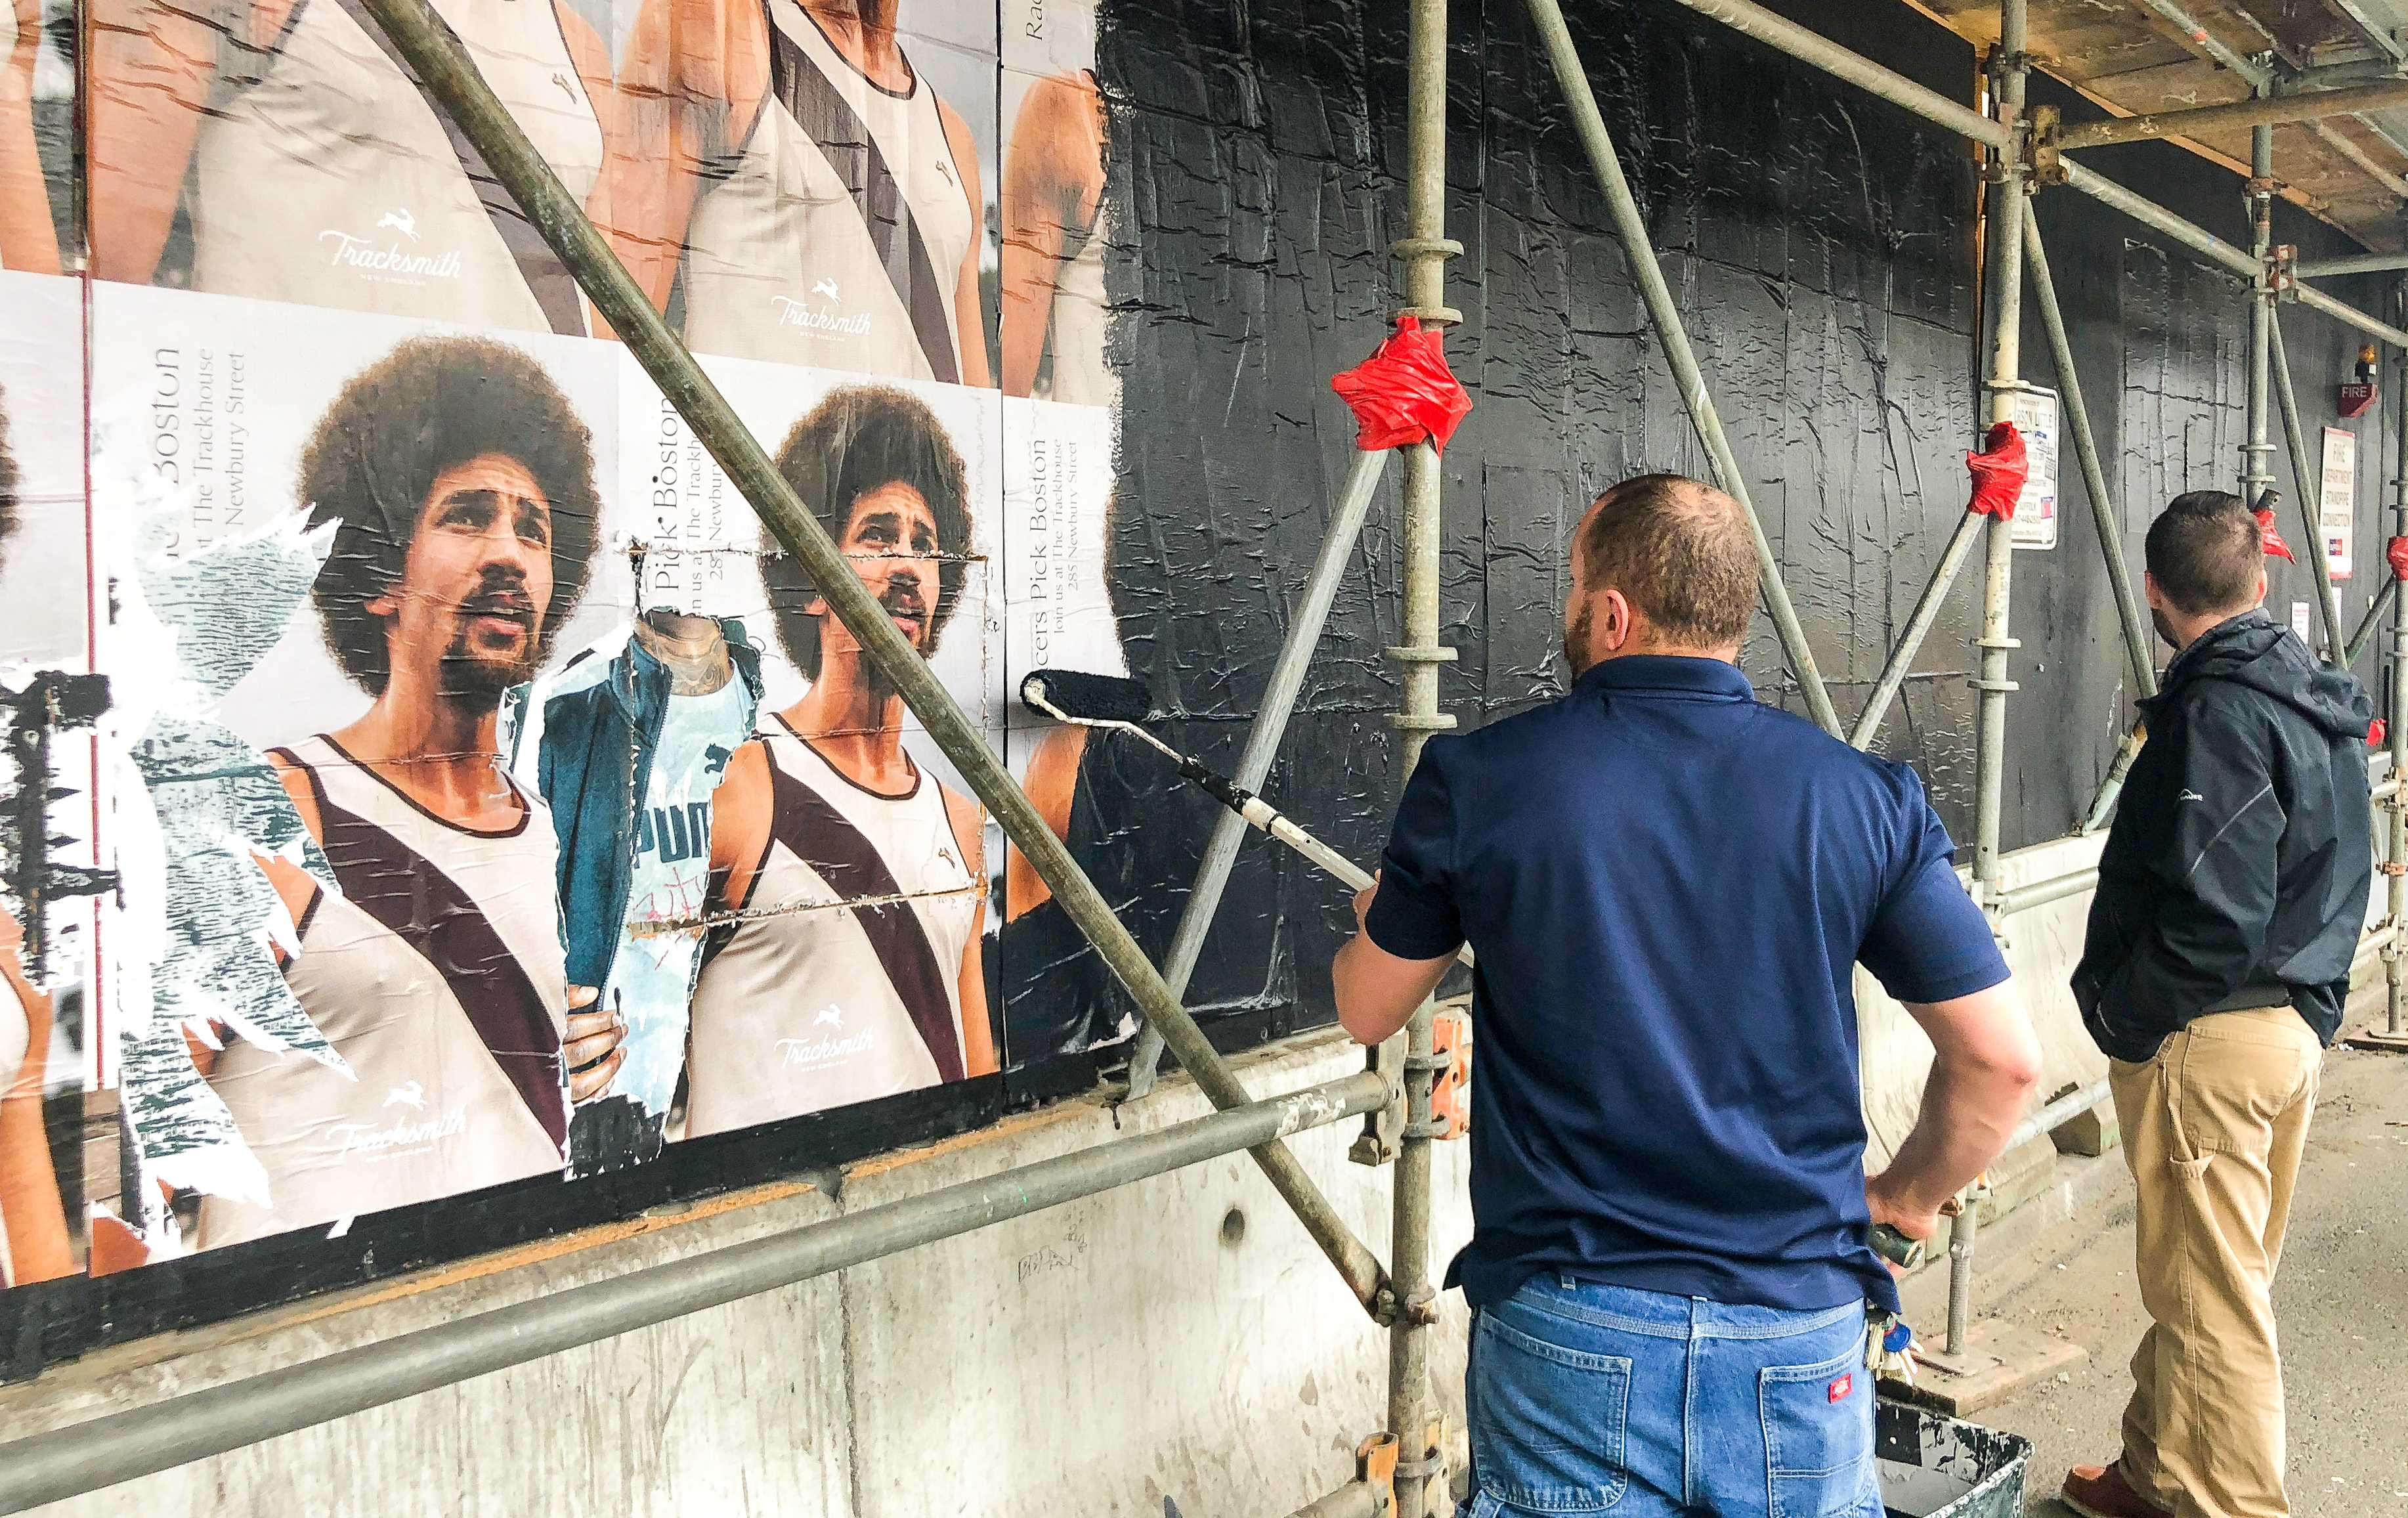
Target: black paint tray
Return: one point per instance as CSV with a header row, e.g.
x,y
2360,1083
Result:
x,y
1932,1466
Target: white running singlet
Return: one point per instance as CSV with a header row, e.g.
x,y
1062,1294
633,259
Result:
x,y
837,237
439,975
809,1005
328,180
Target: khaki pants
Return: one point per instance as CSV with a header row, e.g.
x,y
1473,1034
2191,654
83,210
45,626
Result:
x,y
2214,1128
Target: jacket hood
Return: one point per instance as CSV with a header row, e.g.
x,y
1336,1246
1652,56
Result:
x,y
2252,651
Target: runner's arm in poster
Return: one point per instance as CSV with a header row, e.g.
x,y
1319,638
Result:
x,y
969,310
739,828
590,58
29,241
693,68
1051,784
1052,181
978,1027
33,1215
154,67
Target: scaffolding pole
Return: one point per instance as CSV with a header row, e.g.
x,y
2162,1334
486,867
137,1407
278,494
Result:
x,y
2128,614
1631,230
1412,1303
1918,626
451,77
2395,864
2257,453
1788,37
2262,113
2309,477
1262,745
2373,619
2004,209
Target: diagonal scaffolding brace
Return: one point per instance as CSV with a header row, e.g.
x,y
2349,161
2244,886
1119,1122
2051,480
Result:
x,y
1630,228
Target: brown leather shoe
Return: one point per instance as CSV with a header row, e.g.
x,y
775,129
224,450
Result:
x,y
2101,1491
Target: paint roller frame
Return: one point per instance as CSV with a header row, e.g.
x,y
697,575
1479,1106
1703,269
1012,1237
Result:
x,y
1116,703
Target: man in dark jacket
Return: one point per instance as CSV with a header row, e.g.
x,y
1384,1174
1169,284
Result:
x,y
2230,899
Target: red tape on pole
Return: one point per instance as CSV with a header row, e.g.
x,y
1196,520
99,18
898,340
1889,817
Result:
x,y
1404,391
2268,539
1998,472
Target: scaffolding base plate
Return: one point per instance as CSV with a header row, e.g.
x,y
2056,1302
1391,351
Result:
x,y
2379,1037
2001,1359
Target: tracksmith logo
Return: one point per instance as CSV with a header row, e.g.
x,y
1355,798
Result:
x,y
817,1048
372,1142
821,320
386,260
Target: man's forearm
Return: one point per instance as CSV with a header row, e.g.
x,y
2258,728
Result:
x,y
1970,1111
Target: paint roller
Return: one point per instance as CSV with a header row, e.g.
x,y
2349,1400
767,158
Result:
x,y
1116,704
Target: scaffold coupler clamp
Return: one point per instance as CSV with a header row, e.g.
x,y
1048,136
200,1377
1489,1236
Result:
x,y
2283,271
1383,1126
2041,154
1420,1308
1450,1067
1375,1466
1430,1467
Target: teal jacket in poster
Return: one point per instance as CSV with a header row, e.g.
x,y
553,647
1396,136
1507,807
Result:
x,y
600,729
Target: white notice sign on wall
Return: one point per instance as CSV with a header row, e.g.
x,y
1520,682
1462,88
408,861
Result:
x,y
2035,416
2337,500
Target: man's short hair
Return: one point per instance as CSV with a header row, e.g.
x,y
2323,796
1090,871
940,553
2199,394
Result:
x,y
2205,550
1680,551
7,481
862,438
434,404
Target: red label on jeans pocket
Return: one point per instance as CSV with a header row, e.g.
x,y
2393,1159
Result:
x,y
1841,1388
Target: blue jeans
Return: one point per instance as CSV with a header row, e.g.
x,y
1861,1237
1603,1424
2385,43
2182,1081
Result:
x,y
1594,1398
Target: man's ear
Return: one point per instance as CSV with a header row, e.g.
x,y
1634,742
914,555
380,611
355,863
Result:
x,y
2260,598
1617,624
2156,598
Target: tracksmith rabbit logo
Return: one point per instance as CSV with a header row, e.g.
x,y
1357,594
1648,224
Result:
x,y
383,256
824,319
825,1043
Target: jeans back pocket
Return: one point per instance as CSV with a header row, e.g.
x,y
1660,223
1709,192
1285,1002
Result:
x,y
1548,1421
1818,1437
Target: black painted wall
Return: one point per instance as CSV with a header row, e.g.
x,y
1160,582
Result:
x,y
1822,245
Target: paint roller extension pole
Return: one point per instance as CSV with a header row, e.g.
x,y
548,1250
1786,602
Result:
x,y
2085,451
1630,229
451,76
2310,483
122,1446
1262,744
1424,249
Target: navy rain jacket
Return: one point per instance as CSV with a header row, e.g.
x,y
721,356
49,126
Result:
x,y
2237,872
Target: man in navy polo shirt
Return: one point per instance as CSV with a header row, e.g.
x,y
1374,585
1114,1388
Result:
x,y
1668,887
